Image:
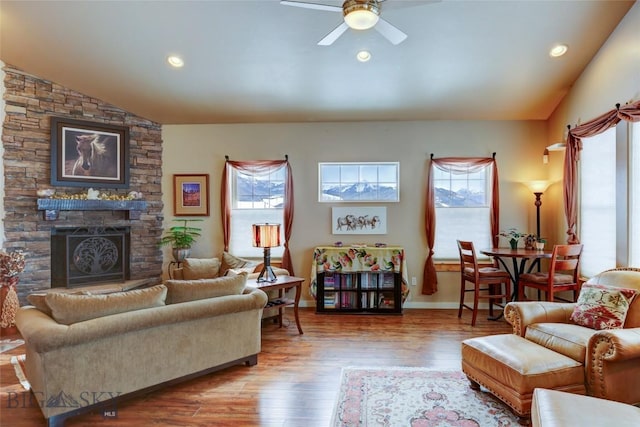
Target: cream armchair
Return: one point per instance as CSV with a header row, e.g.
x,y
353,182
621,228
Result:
x,y
611,357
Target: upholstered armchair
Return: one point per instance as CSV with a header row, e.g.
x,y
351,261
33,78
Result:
x,y
611,357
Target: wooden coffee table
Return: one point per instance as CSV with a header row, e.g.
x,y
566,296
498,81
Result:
x,y
282,284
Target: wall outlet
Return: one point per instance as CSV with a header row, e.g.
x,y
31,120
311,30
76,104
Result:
x,y
413,281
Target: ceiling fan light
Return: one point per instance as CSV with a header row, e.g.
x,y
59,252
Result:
x,y
361,15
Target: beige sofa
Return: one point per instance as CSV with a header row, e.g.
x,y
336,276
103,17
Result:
x,y
91,348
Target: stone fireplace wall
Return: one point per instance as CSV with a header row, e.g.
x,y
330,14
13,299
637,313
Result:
x,y
30,103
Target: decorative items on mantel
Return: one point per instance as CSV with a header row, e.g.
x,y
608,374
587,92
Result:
x,y
92,200
11,265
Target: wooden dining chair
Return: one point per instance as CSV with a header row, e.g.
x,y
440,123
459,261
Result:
x,y
562,274
491,278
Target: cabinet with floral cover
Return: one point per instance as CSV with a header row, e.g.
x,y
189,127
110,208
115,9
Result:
x,y
359,279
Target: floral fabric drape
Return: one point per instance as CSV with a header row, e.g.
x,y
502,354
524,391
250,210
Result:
x,y
630,113
456,165
259,167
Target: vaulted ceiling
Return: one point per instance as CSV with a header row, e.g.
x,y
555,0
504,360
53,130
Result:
x,y
258,61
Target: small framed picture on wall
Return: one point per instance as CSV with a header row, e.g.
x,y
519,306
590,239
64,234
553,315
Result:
x,y
191,195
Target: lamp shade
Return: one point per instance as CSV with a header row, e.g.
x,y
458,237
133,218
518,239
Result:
x,y
266,235
538,186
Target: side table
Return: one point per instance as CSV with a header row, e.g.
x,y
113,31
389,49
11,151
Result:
x,y
172,266
281,285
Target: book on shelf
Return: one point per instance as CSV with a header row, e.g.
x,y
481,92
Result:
x,y
329,300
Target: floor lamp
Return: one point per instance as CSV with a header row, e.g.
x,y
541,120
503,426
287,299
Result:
x,y
538,188
266,236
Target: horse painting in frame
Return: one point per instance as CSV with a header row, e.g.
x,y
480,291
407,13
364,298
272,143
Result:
x,y
89,154
359,220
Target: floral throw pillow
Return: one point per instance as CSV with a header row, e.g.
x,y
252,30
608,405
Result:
x,y
602,307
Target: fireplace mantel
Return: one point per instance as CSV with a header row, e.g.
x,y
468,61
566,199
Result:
x,y
51,207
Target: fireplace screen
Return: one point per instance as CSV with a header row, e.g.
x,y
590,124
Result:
x,y
89,255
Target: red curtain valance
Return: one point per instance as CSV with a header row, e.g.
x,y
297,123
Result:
x,y
456,165
259,167
630,113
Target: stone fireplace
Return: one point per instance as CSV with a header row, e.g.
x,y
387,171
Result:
x,y
89,255
31,102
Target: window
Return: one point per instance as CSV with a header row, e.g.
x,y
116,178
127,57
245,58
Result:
x,y
609,215
359,182
462,202
255,198
598,202
634,194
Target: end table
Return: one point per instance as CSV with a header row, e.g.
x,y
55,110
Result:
x,y
282,284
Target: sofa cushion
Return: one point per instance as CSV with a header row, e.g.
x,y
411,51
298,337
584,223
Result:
x,y
191,290
623,278
602,307
200,268
38,301
71,308
230,261
564,338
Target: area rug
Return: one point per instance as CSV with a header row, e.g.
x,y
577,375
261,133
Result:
x,y
415,397
8,344
18,366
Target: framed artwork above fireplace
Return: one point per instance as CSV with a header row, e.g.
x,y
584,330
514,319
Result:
x,y
89,154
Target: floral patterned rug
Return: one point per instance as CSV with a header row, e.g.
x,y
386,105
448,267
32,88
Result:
x,y
416,397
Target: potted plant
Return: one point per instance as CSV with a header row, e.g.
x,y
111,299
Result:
x,y
181,238
513,235
540,241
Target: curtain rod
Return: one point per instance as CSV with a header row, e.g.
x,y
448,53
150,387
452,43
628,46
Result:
x,y
494,155
286,157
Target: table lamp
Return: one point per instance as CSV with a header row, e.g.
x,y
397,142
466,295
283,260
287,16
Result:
x,y
266,236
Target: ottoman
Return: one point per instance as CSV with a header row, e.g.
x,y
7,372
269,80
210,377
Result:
x,y
511,367
552,408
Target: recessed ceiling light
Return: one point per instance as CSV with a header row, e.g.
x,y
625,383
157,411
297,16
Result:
x,y
558,50
363,56
175,61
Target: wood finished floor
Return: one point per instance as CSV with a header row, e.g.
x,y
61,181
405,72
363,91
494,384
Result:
x,y
296,380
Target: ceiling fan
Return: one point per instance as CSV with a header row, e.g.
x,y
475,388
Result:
x,y
358,15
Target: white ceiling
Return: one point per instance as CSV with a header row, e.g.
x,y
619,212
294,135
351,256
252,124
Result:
x,y
257,61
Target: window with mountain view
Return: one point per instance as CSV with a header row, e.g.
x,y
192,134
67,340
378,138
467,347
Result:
x,y
462,202
359,182
256,198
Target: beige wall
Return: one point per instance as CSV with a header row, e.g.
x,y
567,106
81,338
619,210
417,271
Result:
x,y
201,149
613,76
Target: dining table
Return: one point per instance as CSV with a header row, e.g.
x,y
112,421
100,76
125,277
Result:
x,y
519,259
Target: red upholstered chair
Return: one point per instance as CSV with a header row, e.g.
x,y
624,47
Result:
x,y
562,274
492,277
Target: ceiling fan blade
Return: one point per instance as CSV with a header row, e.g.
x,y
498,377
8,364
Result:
x,y
333,35
312,6
394,35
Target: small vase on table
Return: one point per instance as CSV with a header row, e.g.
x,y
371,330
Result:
x,y
513,243
9,305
